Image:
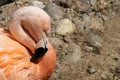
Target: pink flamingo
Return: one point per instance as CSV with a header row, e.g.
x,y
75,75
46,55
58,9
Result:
x,y
25,52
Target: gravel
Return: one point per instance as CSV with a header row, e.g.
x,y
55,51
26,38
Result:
x,y
80,28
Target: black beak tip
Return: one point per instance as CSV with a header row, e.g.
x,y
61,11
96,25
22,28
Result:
x,y
38,53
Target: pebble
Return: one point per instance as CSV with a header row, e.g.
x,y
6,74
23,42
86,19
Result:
x,y
91,70
54,11
104,77
88,48
93,2
96,23
64,27
67,39
81,6
77,21
94,40
74,53
38,4
86,18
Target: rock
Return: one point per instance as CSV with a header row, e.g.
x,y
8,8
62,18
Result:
x,y
67,39
74,53
88,48
78,22
86,18
93,2
81,6
78,5
54,11
104,77
64,27
96,23
38,4
94,40
91,70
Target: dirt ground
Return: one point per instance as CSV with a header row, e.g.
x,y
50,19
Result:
x,y
92,51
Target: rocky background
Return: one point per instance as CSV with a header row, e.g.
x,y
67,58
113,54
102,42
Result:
x,y
85,35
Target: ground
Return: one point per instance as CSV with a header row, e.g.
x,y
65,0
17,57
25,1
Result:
x,y
92,50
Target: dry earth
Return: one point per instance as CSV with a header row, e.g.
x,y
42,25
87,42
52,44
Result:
x,y
92,50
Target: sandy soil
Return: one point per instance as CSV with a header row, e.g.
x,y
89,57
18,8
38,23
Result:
x,y
89,53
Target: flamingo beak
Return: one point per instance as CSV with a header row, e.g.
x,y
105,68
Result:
x,y
41,49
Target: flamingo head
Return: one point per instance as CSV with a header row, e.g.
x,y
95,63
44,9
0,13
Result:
x,y
30,26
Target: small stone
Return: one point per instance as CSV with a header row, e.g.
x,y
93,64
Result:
x,y
104,77
54,11
93,24
67,39
64,27
77,21
104,17
94,40
74,53
80,5
93,2
91,70
38,4
96,24
86,18
88,48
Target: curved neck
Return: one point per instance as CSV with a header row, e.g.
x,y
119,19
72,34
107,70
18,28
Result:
x,y
20,35
28,26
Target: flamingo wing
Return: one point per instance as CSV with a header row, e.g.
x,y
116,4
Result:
x,y
15,61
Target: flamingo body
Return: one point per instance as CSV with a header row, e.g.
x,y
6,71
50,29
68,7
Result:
x,y
15,59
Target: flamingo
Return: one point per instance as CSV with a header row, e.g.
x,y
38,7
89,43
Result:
x,y
25,51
